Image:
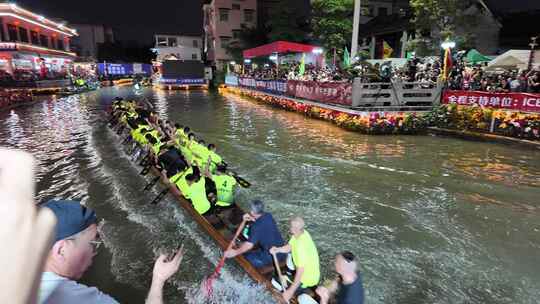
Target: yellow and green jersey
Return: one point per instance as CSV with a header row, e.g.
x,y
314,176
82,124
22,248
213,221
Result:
x,y
197,195
305,255
216,159
180,180
225,186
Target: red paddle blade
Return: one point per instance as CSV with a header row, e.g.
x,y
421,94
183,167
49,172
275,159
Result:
x,y
207,283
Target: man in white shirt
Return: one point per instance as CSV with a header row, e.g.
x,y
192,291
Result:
x,y
76,243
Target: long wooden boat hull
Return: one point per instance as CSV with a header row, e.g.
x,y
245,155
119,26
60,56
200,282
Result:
x,y
222,236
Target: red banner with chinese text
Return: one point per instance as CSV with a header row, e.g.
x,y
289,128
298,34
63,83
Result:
x,y
525,102
324,92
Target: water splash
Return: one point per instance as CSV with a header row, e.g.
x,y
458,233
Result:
x,y
227,291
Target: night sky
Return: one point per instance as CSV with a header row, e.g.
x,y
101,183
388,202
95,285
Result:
x,y
138,22
510,6
142,20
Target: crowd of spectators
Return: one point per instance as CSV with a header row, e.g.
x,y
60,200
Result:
x,y
477,79
427,71
463,76
291,71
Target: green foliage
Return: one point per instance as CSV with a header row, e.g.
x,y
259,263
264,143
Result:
x,y
285,23
437,20
332,24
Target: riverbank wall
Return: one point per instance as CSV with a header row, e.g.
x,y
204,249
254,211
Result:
x,y
377,123
483,116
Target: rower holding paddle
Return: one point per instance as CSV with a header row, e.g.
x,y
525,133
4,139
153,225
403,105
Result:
x,y
225,185
263,235
305,258
197,193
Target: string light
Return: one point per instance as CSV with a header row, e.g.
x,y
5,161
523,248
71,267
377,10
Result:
x,y
24,45
13,7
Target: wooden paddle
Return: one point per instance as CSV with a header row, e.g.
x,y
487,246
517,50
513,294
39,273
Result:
x,y
208,282
281,278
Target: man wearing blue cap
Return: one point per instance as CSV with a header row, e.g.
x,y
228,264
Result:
x,y
75,245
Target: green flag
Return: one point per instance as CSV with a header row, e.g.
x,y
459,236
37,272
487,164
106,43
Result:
x,y
302,67
228,72
346,58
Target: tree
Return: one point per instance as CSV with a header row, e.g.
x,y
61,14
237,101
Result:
x,y
332,23
437,20
285,22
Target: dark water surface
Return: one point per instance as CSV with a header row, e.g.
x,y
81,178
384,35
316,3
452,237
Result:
x,y
433,220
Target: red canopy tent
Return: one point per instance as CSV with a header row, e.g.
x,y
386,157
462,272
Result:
x,y
278,47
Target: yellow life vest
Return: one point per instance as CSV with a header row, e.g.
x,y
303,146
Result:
x,y
197,195
225,185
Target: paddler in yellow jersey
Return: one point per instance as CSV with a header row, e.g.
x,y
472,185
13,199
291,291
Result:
x,y
197,193
186,148
225,186
195,148
215,159
154,142
200,154
179,179
181,139
137,134
305,258
178,133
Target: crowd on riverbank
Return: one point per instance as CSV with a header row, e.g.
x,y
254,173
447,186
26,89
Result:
x,y
290,71
476,78
474,118
461,76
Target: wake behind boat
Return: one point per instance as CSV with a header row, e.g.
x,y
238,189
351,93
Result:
x,y
220,224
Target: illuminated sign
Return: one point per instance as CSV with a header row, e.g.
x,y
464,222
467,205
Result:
x,y
182,81
11,46
8,46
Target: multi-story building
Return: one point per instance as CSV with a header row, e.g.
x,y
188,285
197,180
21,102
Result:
x,y
86,44
32,44
223,22
177,47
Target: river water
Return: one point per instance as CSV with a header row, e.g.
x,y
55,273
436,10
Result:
x,y
432,219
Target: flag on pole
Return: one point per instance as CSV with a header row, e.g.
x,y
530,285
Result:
x,y
346,58
302,67
447,63
387,50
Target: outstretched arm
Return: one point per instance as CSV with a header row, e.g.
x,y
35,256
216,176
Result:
x,y
163,270
283,249
207,168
